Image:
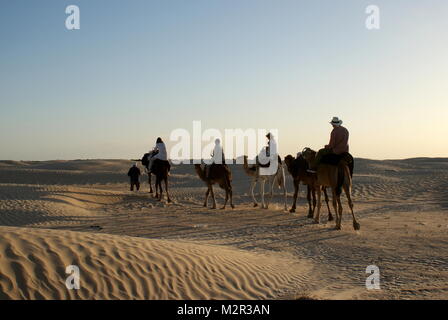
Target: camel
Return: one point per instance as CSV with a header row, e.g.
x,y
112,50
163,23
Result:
x,y
160,169
254,172
298,167
337,177
145,162
219,174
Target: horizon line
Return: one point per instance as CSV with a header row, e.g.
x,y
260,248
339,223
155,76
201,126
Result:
x,y
234,159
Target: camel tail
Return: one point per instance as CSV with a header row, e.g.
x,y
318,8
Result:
x,y
344,172
351,166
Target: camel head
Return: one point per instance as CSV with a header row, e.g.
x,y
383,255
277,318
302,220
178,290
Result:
x,y
250,170
308,154
245,163
199,171
288,160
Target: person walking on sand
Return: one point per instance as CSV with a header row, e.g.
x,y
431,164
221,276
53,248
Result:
x,y
338,143
134,174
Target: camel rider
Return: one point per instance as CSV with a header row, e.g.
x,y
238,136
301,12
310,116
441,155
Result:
x,y
268,157
217,157
218,153
338,143
159,152
266,152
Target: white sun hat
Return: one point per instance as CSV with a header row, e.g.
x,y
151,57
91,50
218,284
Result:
x,y
336,121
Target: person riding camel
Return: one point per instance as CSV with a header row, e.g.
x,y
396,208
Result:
x,y
217,157
159,152
266,152
338,143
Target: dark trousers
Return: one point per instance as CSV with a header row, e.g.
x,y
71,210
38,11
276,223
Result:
x,y
321,153
136,184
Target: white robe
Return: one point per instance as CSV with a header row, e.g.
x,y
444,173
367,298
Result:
x,y
217,155
273,155
162,154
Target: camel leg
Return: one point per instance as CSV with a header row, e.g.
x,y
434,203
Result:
x,y
161,189
156,186
330,216
334,202
149,181
308,198
213,196
271,193
166,189
294,200
347,190
252,187
271,184
225,201
262,182
319,204
313,193
339,223
206,197
284,190
227,198
159,184
228,188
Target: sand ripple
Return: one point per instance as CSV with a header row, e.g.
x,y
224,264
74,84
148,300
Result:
x,y
33,263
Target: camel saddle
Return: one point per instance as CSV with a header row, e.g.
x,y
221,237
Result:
x,y
158,162
214,165
336,159
267,165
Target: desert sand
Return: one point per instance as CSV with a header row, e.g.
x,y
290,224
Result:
x,y
130,246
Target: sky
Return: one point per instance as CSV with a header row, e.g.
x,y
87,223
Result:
x,y
139,69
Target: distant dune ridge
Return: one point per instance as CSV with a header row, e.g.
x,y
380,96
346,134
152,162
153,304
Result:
x,y
129,246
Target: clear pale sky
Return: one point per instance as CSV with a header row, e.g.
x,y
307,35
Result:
x,y
139,69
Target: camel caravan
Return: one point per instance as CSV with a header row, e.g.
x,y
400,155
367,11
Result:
x,y
329,169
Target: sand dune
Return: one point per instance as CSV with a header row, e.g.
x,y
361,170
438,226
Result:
x,y
33,265
130,246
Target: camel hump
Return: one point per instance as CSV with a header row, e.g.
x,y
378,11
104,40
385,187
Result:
x,y
335,159
279,160
218,166
162,164
344,159
220,170
267,165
